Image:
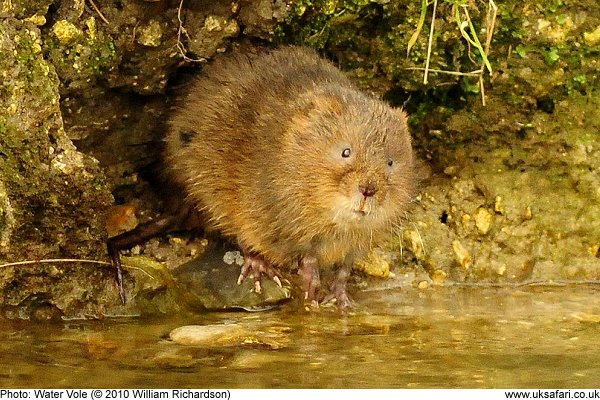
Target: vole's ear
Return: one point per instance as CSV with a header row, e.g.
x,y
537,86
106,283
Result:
x,y
308,107
327,104
322,103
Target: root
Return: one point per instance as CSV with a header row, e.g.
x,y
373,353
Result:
x,y
181,31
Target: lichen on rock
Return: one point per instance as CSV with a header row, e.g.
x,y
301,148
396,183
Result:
x,y
53,197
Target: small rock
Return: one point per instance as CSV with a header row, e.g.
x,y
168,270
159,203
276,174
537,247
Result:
x,y
438,277
463,256
209,282
231,257
498,206
223,335
256,360
413,241
592,38
451,170
376,264
212,23
498,267
37,19
527,215
210,335
466,222
483,221
176,241
572,271
66,32
172,359
151,34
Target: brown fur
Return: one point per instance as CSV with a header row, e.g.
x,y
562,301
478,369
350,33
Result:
x,y
257,143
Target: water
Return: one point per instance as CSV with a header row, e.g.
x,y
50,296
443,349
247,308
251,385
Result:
x,y
435,338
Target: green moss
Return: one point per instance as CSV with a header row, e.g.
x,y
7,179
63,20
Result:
x,y
89,55
312,22
552,5
99,183
26,8
551,56
370,40
511,21
28,46
81,53
47,202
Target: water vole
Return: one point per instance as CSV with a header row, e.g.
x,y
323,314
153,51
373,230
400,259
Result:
x,y
285,155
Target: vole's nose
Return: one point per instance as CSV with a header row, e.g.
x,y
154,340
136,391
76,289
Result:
x,y
369,189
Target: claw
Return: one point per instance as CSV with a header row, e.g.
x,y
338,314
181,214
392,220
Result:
x,y
309,274
256,265
257,287
337,292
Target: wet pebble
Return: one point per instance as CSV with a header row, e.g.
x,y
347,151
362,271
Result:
x,y
209,335
258,359
438,277
209,282
498,205
223,335
172,359
584,317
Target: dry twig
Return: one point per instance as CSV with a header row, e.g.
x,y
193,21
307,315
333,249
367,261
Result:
x,y
430,44
470,37
68,260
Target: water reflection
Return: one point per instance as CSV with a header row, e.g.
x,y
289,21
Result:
x,y
444,337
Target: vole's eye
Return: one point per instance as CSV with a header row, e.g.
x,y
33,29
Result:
x,y
346,152
390,162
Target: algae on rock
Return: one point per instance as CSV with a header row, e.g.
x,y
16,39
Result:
x,y
52,196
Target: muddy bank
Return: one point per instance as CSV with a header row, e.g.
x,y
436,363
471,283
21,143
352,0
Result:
x,y
513,190
521,209
515,196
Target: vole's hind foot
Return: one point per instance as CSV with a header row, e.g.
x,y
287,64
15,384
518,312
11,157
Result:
x,y
256,265
337,288
340,298
309,275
